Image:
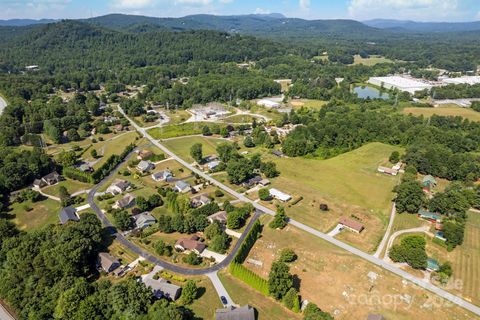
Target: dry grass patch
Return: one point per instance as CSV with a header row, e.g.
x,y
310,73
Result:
x,y
447,110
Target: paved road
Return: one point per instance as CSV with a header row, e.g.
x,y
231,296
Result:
x,y
423,229
387,232
221,291
3,104
4,315
261,209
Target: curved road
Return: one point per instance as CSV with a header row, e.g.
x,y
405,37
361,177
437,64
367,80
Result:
x,y
261,209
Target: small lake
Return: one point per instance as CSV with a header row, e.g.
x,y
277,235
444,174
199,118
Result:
x,y
370,92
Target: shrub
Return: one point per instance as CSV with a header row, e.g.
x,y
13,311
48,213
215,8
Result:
x,y
288,255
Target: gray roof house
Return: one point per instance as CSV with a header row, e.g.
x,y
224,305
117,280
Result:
x,y
144,166
162,289
118,186
212,165
232,313
68,214
107,262
182,186
127,201
162,175
220,216
200,200
143,220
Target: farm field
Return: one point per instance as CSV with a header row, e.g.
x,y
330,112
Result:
x,y
242,294
372,60
448,110
42,213
181,146
349,184
341,277
308,103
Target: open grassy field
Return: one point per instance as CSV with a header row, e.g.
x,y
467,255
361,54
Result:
x,y
72,186
447,110
349,184
181,146
42,213
173,131
336,280
308,103
241,118
125,255
372,60
267,308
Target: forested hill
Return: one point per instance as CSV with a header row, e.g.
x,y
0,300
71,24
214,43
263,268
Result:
x,y
73,44
414,26
259,25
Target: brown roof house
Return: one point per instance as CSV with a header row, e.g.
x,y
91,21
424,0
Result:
x,y
220,216
144,154
127,201
232,313
191,244
353,225
107,263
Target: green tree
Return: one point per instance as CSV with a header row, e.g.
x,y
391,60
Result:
x,y
206,131
193,259
196,152
287,255
94,153
142,204
239,170
248,142
235,220
162,248
410,196
291,300
67,158
410,250
189,292
280,219
224,132
122,220
313,312
264,194
269,169
220,243
213,230
394,157
279,280
64,196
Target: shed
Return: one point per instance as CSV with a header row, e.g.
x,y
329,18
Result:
x,y
429,181
432,265
430,216
182,186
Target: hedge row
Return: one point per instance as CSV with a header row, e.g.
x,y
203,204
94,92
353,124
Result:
x,y
249,277
111,163
248,243
78,175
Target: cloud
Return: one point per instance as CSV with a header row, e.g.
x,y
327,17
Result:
x,y
193,2
261,11
304,4
132,4
403,9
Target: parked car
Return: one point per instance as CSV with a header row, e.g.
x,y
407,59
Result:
x,y
224,300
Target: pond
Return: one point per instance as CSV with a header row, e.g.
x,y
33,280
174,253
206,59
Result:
x,y
370,92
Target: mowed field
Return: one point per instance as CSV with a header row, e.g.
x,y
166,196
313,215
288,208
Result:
x,y
181,146
349,184
337,281
38,214
372,60
449,110
308,103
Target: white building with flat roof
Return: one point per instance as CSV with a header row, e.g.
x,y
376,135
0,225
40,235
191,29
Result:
x,y
401,83
471,80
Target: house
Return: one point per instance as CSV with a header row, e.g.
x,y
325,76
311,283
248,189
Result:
x,y
430,216
432,265
118,186
164,175
106,262
145,166
440,235
277,194
212,165
386,170
353,225
191,244
233,313
127,201
264,182
68,214
52,178
269,103
84,167
199,201
110,119
277,153
375,317
144,220
210,158
429,182
144,154
182,186
252,182
162,289
39,183
119,127
220,216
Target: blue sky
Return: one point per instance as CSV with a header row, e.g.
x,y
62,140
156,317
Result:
x,y
421,10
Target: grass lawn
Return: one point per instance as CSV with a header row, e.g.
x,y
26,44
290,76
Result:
x,y
125,255
447,110
372,60
349,184
242,294
337,280
184,129
108,147
42,213
207,301
72,186
181,146
241,118
308,103
407,221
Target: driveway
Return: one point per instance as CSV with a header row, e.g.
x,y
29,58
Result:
x,y
4,315
387,232
221,291
210,254
336,230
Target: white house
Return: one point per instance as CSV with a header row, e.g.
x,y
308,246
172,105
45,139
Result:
x,y
118,186
145,166
277,194
182,186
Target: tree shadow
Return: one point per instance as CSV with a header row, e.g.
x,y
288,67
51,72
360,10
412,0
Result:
x,y
200,292
296,282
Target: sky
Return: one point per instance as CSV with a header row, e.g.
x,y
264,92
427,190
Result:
x,y
419,10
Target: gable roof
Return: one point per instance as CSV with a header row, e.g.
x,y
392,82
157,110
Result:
x,y
122,184
191,243
145,165
68,214
125,201
220,216
352,224
144,219
161,175
107,261
161,288
182,185
232,313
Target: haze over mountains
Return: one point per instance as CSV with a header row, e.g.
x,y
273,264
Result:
x,y
261,24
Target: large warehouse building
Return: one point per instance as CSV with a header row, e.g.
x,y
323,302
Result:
x,y
471,80
401,83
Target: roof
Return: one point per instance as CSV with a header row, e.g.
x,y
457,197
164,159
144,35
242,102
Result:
x,y
182,185
375,317
429,215
52,176
213,164
279,195
162,174
232,313
106,261
191,243
432,264
220,216
68,214
429,179
144,219
125,201
201,198
145,153
355,225
122,184
277,153
387,170
144,165
161,288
